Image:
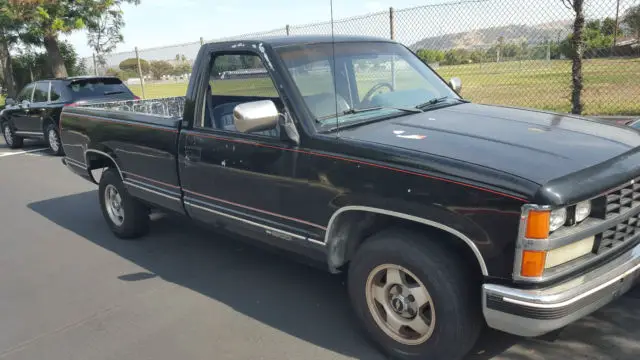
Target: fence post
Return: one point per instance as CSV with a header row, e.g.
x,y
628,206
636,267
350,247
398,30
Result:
x,y
201,41
392,24
286,28
140,73
392,35
95,65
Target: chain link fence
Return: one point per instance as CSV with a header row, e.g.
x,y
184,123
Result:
x,y
506,52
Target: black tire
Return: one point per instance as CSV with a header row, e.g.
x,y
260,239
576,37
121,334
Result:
x,y
13,141
52,137
135,222
455,296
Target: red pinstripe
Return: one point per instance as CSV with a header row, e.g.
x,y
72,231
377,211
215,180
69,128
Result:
x,y
362,163
311,153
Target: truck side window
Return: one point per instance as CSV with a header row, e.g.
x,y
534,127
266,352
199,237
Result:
x,y
236,79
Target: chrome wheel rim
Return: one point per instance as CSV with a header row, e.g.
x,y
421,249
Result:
x,y
7,135
400,304
53,140
113,203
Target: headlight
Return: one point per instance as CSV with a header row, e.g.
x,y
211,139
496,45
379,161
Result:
x,y
557,218
583,209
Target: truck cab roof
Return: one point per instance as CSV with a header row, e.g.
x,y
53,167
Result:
x,y
279,41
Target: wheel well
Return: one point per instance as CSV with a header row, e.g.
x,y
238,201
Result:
x,y
97,161
46,123
352,227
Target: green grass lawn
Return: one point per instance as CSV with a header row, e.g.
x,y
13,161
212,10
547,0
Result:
x,y
612,86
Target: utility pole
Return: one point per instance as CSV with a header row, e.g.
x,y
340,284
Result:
x,y
95,65
392,35
615,29
140,73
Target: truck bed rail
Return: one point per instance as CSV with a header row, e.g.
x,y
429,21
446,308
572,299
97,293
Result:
x,y
169,107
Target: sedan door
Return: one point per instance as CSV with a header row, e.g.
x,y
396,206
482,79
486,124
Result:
x,y
38,109
19,113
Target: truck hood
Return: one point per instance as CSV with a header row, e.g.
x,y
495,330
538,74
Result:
x,y
534,145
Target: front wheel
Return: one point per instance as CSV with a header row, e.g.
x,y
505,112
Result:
x,y
414,297
10,138
127,217
53,139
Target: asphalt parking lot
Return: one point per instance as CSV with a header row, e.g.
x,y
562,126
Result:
x,y
70,290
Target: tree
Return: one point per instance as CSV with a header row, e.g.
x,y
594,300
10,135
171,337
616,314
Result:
x,y
45,20
33,64
105,33
593,25
631,18
430,56
577,53
160,68
608,27
11,26
131,65
181,69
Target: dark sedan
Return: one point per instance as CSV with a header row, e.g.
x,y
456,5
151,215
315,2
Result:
x,y
35,113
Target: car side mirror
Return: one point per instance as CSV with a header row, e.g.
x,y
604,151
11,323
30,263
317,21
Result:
x,y
456,84
256,116
24,103
9,101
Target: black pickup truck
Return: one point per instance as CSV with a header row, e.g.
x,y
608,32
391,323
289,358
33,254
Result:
x,y
352,153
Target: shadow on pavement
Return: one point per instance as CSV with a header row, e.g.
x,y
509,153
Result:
x,y
299,300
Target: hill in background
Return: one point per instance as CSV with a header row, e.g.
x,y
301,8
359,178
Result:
x,y
484,38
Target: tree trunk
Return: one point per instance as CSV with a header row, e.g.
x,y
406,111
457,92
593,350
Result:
x,y
578,53
58,68
7,68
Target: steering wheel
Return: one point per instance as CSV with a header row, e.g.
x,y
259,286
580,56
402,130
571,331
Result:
x,y
367,97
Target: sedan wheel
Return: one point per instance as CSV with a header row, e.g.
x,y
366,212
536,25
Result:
x,y
54,142
8,136
13,141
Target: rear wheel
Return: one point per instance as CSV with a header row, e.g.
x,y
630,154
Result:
x,y
53,139
10,138
127,217
414,297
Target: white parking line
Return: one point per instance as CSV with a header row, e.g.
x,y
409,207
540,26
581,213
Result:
x,y
22,152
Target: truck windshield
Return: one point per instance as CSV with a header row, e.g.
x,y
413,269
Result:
x,y
383,78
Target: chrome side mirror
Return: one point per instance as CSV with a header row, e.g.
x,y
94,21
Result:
x,y
24,103
456,84
255,116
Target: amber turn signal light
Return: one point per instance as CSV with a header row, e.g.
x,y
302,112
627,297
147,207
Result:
x,y
537,224
533,263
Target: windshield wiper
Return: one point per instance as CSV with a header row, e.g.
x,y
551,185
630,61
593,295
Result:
x,y
113,92
433,102
357,111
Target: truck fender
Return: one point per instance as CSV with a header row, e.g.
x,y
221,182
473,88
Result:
x,y
339,242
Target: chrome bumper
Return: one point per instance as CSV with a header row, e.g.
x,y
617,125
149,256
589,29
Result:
x,y
536,312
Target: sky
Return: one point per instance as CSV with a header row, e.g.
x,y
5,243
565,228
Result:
x,y
164,22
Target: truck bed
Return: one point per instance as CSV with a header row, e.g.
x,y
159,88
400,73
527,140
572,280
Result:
x,y
139,136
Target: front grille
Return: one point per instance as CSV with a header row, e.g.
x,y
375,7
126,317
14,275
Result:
x,y
618,202
618,234
622,199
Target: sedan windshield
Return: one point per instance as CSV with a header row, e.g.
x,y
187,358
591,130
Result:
x,y
365,81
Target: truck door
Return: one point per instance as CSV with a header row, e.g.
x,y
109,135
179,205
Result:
x,y
234,179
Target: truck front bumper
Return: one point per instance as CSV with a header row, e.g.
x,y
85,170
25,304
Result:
x,y
535,312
